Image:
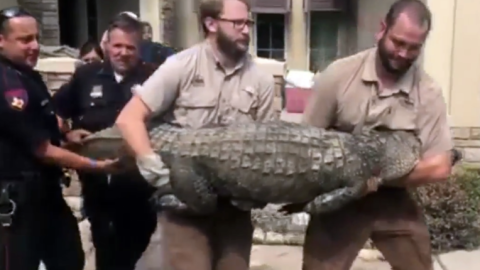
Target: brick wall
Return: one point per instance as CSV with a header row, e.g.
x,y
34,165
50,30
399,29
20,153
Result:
x,y
168,17
46,12
468,140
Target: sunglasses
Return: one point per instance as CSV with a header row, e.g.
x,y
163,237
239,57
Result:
x,y
13,12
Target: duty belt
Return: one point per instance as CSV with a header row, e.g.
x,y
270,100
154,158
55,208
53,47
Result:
x,y
7,210
7,206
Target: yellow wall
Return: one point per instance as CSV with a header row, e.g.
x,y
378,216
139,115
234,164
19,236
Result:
x,y
437,59
297,56
451,54
149,11
452,57
465,86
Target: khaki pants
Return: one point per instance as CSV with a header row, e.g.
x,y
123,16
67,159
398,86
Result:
x,y
219,242
390,217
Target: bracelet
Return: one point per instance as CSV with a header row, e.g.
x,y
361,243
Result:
x,y
93,163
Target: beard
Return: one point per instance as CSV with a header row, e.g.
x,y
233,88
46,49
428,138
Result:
x,y
389,63
230,47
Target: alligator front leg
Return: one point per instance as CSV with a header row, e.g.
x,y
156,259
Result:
x,y
247,205
168,202
338,198
191,189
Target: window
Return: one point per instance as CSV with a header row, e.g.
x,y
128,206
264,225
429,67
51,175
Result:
x,y
270,36
324,29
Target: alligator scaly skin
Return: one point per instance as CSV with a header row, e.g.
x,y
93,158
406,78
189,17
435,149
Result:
x,y
272,162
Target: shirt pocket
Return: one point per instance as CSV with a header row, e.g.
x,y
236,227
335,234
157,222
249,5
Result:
x,y
245,101
402,115
195,104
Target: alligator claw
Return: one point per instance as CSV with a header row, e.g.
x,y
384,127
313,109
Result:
x,y
456,156
247,205
371,185
293,208
169,202
173,204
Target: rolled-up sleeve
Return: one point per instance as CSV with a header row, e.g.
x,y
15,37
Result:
x,y
434,130
322,106
160,90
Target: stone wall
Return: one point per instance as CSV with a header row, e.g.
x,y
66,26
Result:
x,y
46,12
168,17
468,140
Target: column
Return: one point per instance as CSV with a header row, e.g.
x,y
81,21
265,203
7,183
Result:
x,y
150,11
465,85
297,55
437,59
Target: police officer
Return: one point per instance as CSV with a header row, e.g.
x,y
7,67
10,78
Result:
x,y
153,52
35,222
122,219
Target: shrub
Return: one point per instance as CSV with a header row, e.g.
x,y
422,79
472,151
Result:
x,y
452,211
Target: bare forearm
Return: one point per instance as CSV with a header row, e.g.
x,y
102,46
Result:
x,y
131,123
135,134
64,158
429,170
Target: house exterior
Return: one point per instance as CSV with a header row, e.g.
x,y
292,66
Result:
x,y
307,34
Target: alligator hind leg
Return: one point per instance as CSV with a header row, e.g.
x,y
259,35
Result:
x,y
192,188
247,205
168,202
338,198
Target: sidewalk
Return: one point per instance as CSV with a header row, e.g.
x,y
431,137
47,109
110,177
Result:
x,y
290,257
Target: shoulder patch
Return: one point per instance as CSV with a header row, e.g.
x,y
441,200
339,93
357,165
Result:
x,y
17,99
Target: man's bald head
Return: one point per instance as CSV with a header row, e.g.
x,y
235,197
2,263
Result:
x,y
416,10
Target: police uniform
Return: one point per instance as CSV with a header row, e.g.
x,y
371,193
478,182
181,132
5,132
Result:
x,y
347,97
155,53
42,227
117,207
193,89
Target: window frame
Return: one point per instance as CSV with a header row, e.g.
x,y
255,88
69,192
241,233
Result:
x,y
308,23
286,33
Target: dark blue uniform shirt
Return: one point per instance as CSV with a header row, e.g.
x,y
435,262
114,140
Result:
x,y
27,120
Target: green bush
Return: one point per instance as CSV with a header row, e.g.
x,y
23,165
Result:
x,y
452,211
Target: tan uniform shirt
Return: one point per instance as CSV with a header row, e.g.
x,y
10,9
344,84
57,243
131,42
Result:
x,y
193,89
347,95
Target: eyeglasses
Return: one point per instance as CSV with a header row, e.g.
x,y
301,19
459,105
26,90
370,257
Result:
x,y
238,24
13,12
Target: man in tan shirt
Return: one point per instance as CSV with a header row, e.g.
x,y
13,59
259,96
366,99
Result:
x,y
214,82
382,87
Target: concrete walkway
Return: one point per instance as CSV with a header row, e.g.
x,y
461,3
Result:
x,y
290,257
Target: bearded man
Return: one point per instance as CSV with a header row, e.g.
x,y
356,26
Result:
x,y
382,87
214,82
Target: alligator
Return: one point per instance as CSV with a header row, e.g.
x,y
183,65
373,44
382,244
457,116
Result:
x,y
253,164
